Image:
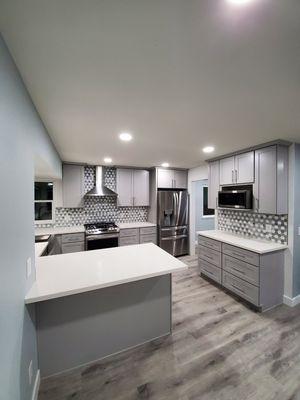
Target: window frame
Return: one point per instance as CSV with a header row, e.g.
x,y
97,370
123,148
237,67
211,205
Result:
x,y
206,215
45,221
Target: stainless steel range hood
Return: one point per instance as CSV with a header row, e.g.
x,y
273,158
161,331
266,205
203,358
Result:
x,y
100,189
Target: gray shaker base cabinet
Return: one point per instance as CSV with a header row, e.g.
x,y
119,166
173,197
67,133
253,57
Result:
x,y
257,278
86,327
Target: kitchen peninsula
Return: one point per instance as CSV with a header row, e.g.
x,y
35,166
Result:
x,y
93,304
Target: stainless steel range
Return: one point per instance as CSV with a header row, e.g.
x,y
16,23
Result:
x,y
101,235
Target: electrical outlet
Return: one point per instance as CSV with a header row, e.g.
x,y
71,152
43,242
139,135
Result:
x,y
30,372
268,228
28,267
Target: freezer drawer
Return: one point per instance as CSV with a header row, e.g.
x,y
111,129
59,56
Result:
x,y
175,245
166,232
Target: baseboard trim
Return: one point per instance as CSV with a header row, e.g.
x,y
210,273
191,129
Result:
x,y
291,301
35,392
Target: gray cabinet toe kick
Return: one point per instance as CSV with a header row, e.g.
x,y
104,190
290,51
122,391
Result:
x,y
256,278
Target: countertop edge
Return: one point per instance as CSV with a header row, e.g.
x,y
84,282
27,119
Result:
x,y
36,299
279,247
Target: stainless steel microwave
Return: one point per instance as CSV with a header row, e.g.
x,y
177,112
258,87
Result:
x,y
235,197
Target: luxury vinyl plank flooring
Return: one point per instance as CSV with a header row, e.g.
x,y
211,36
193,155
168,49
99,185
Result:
x,y
219,350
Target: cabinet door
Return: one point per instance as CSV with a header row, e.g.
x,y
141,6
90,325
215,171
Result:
x,y
72,247
72,185
244,167
227,171
165,178
124,187
140,187
265,180
180,179
213,183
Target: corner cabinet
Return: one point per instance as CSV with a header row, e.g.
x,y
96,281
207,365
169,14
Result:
x,y
73,186
237,169
213,183
271,180
171,179
132,187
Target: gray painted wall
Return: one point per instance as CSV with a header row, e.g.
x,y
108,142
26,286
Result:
x,y
296,238
23,141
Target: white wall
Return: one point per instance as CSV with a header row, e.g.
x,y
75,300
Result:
x,y
194,174
23,139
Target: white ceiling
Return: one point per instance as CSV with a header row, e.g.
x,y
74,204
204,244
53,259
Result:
x,y
178,74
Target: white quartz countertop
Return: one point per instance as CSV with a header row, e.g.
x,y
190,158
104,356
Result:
x,y
126,225
59,230
39,248
257,246
66,274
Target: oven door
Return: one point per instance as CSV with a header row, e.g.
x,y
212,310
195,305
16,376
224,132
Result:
x,y
104,241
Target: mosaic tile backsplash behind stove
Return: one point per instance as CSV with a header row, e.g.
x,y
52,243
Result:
x,y
254,225
97,209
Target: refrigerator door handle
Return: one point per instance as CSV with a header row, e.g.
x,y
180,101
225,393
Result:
x,y
174,237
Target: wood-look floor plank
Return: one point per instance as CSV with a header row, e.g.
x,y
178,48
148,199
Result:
x,y
220,349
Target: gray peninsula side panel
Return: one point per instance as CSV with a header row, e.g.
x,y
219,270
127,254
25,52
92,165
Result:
x,y
82,328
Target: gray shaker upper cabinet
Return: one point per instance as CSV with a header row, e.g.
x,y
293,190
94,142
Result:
x,y
271,180
213,183
171,179
165,178
244,167
73,186
141,187
180,179
124,187
132,187
227,171
237,169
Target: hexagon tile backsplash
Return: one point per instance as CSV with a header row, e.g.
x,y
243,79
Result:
x,y
97,209
253,225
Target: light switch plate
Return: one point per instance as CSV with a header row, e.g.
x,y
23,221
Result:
x,y
28,267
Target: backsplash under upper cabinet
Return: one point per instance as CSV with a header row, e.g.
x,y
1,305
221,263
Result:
x,y
97,209
254,225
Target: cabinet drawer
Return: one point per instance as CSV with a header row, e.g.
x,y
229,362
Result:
x,y
241,254
130,232
210,270
248,272
211,243
72,247
148,239
126,241
151,230
72,238
243,289
212,256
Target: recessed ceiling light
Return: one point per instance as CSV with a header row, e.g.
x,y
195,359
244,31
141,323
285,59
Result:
x,y
125,136
208,149
165,164
107,160
239,2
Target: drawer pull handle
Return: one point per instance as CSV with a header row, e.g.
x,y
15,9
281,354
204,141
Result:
x,y
238,255
237,288
238,270
208,272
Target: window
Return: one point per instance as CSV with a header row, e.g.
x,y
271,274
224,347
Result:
x,y
43,202
207,212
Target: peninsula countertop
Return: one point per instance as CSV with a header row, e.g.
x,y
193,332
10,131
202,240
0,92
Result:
x,y
59,230
67,274
257,246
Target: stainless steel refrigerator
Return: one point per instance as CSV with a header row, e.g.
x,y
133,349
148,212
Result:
x,y
172,221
